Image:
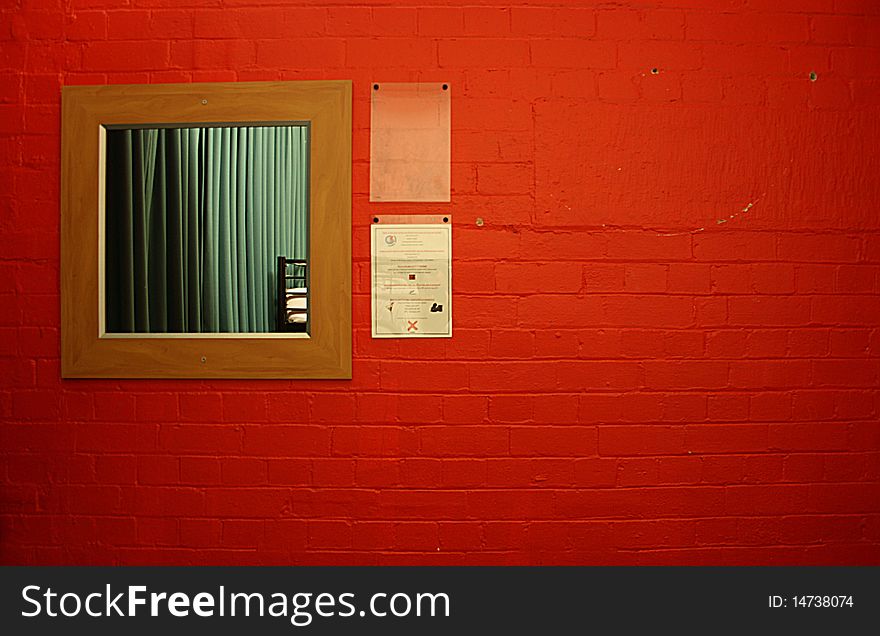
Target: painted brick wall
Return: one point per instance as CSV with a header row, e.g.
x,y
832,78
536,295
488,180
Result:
x,y
667,333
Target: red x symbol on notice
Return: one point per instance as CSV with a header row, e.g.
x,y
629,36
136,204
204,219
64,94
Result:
x,y
412,325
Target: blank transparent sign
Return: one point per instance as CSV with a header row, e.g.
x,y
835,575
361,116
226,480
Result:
x,y
409,142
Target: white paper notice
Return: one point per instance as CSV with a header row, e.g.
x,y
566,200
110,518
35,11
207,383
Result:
x,y
411,280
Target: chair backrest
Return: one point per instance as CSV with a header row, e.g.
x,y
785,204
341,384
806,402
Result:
x,y
293,283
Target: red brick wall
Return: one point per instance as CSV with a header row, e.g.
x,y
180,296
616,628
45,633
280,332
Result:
x,y
667,333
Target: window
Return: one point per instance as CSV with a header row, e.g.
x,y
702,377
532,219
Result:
x,y
206,230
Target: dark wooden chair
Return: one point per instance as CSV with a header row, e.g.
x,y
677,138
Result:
x,y
293,280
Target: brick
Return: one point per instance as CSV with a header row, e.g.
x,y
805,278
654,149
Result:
x,y
808,342
156,407
594,472
512,344
419,472
128,25
259,23
851,61
846,373
161,501
812,405
503,178
642,534
755,27
617,87
675,56
377,473
463,473
492,53
647,278
460,536
393,21
573,54
850,343
684,408
199,470
855,279
766,343
641,440
440,376
304,53
416,536
578,84
332,407
648,246
157,470
746,59
734,246
844,310
627,407
275,441
662,87
243,471
648,311
510,408
770,407
200,407
642,344
570,245
468,440
691,374
533,20
198,437
726,344
688,278
290,472
526,277
726,407
36,405
769,310
389,52
854,405
575,21
242,532
86,25
374,441
555,441
157,531
486,21
513,376
684,344
624,25
808,436
818,248
329,534
766,278
758,374
244,407
445,21
585,375
467,409
126,56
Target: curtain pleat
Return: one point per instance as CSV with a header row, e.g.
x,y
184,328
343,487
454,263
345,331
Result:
x,y
196,219
140,247
259,241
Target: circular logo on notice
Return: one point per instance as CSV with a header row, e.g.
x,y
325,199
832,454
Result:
x,y
390,240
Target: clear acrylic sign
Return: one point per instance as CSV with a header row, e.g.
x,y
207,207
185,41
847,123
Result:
x,y
410,142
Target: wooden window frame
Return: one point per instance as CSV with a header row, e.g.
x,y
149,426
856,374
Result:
x,y
87,351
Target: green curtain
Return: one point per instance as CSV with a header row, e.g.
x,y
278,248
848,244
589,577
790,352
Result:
x,y
195,219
